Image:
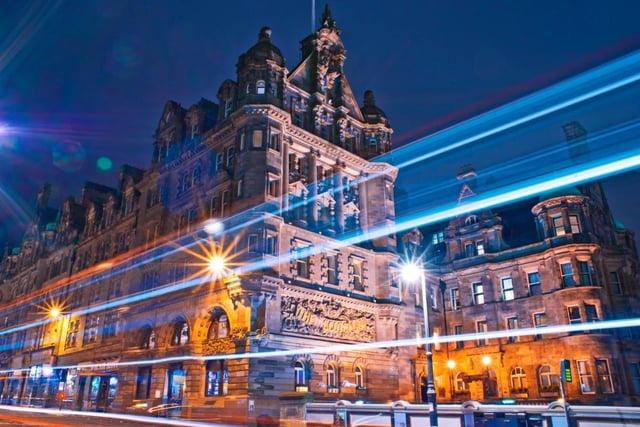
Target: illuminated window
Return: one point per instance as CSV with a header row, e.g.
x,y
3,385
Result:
x,y
260,87
300,376
91,326
461,385
548,380
574,224
437,237
219,325
143,382
256,138
217,378
480,247
359,376
605,382
507,289
587,385
558,225
332,378
518,380
478,293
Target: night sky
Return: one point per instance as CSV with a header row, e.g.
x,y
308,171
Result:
x,y
83,83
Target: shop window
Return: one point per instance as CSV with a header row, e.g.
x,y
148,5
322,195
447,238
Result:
x,y
217,378
143,382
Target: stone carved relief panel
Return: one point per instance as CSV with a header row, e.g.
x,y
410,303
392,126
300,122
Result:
x,y
326,318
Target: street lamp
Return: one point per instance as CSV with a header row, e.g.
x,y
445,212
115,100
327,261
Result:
x,y
412,272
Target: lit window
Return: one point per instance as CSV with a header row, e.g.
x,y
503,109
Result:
x,y
518,380
480,247
256,138
558,225
461,385
332,378
219,325
507,289
548,380
574,224
359,375
437,237
143,382
217,378
300,380
260,87
587,385
605,382
478,293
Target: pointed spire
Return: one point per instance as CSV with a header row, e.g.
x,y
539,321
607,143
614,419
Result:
x,y
326,21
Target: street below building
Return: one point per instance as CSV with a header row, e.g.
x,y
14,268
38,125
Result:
x,y
38,417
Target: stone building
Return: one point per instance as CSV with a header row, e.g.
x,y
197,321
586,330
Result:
x,y
253,266
499,278
273,183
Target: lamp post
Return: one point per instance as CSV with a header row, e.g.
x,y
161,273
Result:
x,y
411,272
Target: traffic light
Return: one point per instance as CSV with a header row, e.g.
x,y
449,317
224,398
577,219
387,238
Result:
x,y
565,370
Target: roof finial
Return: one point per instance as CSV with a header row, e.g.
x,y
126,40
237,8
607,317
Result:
x,y
326,20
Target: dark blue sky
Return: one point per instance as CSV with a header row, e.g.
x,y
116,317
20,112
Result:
x,y
80,80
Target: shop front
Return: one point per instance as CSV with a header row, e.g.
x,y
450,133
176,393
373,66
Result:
x,y
96,385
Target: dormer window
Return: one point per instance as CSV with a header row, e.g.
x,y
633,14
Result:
x,y
261,87
471,219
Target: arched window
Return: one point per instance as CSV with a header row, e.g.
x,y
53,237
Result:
x,y
518,380
148,338
301,378
260,87
461,386
217,379
180,333
219,325
332,378
548,380
360,379
471,219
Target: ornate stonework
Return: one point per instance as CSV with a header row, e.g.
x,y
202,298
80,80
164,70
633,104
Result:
x,y
326,318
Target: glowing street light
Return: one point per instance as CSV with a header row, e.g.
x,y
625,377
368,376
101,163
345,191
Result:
x,y
216,265
54,312
412,272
